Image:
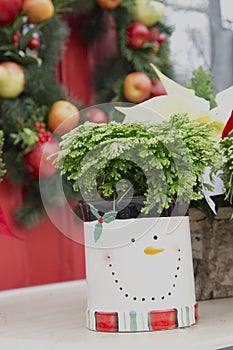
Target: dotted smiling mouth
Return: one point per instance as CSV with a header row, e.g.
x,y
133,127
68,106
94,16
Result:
x,y
153,250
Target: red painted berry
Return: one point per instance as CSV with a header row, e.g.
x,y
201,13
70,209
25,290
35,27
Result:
x,y
100,220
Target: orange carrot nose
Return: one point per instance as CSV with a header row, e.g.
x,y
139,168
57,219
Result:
x,y
153,250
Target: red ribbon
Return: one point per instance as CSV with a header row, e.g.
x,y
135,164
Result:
x,y
228,127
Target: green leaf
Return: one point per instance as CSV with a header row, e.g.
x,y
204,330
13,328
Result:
x,y
20,20
94,211
98,231
109,217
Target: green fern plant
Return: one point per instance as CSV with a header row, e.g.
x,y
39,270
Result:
x,y
161,161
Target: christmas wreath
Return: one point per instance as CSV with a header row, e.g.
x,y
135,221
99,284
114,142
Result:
x,y
33,105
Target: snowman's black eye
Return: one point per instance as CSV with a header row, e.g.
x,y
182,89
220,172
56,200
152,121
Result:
x,y
155,237
133,240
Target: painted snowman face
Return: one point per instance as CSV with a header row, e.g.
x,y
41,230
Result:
x,y
140,262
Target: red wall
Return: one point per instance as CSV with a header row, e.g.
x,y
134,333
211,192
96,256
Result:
x,y
44,255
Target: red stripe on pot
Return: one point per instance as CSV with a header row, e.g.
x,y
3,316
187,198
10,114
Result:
x,y
196,313
106,321
159,320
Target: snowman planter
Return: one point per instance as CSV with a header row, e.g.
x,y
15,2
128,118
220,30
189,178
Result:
x,y
139,268
139,274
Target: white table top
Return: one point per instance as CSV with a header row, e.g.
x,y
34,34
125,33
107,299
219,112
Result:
x,y
53,317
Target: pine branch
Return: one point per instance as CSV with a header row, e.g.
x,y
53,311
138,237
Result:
x,y
105,77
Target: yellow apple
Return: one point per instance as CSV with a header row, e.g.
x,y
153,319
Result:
x,y
148,12
63,117
137,87
108,4
12,80
38,10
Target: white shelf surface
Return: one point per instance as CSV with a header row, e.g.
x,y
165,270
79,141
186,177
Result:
x,y
53,317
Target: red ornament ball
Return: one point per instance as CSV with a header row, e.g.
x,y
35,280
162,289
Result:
x,y
36,160
137,35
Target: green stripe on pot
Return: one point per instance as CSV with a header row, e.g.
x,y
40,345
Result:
x,y
133,321
187,315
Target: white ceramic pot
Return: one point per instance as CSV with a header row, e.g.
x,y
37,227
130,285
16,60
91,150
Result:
x,y
140,275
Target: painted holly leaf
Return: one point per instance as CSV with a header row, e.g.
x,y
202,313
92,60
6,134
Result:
x,y
109,217
94,211
98,231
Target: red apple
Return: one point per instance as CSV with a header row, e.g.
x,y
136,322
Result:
x,y
108,4
9,10
36,160
137,87
137,35
96,115
157,88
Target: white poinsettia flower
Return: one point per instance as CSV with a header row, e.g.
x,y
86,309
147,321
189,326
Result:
x,y
224,100
178,100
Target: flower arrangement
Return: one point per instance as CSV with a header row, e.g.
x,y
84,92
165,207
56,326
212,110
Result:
x,y
160,161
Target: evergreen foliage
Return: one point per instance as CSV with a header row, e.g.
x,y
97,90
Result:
x,y
162,161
